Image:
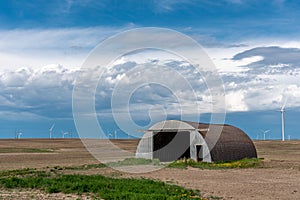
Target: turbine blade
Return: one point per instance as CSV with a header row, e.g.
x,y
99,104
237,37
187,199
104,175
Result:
x,y
283,106
52,126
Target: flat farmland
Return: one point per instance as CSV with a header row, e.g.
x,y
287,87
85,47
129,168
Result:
x,y
40,153
279,178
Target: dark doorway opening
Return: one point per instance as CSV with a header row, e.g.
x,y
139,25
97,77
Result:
x,y
199,153
170,146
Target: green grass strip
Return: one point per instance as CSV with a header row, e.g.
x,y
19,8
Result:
x,y
24,150
104,187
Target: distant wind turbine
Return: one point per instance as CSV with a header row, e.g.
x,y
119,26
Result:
x,y
264,133
282,110
50,130
64,133
18,134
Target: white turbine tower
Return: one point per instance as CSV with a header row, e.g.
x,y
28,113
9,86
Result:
x,y
50,130
282,110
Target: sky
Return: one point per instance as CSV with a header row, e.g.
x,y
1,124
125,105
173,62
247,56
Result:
x,y
254,46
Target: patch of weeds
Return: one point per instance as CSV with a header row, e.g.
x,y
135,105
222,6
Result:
x,y
101,186
243,163
134,161
24,150
84,167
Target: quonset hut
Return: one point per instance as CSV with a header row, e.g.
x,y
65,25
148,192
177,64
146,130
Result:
x,y
172,139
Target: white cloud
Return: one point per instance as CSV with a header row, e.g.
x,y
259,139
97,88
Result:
x,y
38,47
45,92
255,77
229,65
266,82
235,101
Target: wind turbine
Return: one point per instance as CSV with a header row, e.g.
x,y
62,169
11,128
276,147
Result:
x,y
50,130
18,134
264,133
64,133
282,110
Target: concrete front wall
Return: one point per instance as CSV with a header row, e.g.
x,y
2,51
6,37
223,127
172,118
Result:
x,y
197,139
145,146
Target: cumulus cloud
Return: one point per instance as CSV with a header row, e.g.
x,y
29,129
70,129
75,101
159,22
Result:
x,y
47,91
267,81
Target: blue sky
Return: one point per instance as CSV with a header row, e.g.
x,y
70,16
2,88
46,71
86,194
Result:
x,y
254,45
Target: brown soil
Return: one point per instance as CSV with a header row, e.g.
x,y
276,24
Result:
x,y
63,152
279,179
